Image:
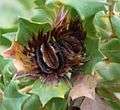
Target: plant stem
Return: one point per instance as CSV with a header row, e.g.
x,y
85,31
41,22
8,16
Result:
x,y
112,4
8,30
111,12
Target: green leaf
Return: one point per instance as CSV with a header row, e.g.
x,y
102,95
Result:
x,y
56,104
4,42
85,8
118,5
106,89
101,20
32,103
89,27
2,107
1,96
93,54
10,36
112,85
28,4
13,99
1,84
8,30
6,69
47,92
116,25
111,50
11,91
44,15
25,81
109,71
27,29
114,104
40,3
102,25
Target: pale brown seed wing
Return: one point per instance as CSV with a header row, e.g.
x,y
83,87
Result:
x,y
49,55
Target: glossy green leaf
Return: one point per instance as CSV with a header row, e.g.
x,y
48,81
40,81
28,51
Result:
x,y
56,104
11,91
44,15
85,8
111,50
107,90
13,99
8,30
32,103
47,92
109,71
101,20
89,27
102,25
27,29
116,25
114,105
112,85
40,3
10,36
93,55
4,42
6,70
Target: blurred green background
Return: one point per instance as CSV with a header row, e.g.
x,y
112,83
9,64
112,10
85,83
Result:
x,y
11,10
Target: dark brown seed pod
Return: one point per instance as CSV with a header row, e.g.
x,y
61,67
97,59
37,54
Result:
x,y
60,54
41,64
49,55
73,43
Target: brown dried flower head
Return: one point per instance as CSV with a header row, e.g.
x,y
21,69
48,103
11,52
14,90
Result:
x,y
52,54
